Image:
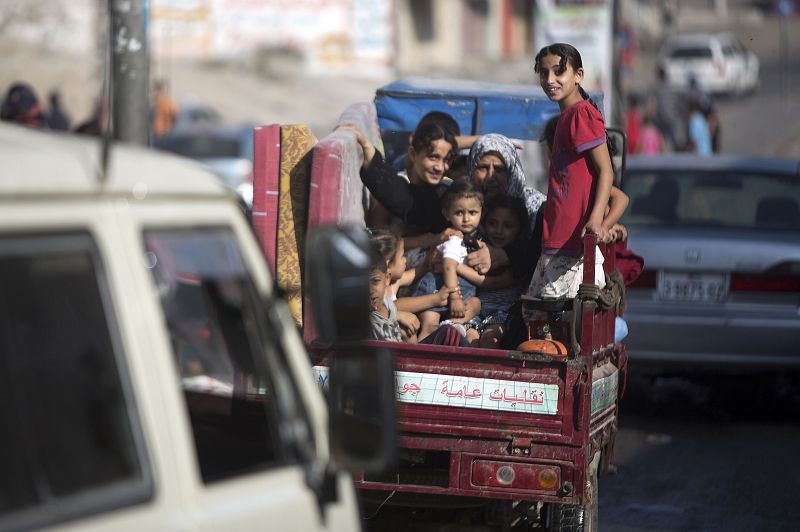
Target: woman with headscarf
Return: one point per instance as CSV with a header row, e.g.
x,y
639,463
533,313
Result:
x,y
21,105
495,167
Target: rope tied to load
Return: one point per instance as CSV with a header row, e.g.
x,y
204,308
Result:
x,y
611,296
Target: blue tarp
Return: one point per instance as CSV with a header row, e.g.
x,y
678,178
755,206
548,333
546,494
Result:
x,y
517,111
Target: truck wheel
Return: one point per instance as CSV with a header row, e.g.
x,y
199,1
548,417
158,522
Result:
x,y
574,517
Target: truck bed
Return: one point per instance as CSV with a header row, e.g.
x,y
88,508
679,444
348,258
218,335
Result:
x,y
463,413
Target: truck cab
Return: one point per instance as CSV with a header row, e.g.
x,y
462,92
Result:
x,y
151,378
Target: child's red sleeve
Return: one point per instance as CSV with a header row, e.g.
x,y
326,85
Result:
x,y
587,129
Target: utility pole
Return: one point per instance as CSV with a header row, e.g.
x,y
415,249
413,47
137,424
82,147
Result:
x,y
618,93
130,70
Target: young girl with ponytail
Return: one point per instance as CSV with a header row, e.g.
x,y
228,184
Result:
x,y
580,177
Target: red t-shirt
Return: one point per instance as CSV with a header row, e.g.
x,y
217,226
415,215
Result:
x,y
571,189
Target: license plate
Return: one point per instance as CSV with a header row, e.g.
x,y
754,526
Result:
x,y
689,286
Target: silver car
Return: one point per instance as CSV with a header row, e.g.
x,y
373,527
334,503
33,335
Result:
x,y
720,237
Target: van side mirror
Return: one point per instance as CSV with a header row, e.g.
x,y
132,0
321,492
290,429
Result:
x,y
361,404
619,148
361,388
337,266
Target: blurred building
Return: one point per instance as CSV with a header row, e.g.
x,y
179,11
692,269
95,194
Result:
x,y
321,34
328,35
448,33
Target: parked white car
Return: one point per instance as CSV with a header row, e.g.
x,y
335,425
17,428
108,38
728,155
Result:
x,y
719,62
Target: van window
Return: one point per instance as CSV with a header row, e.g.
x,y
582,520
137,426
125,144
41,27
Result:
x,y
225,359
71,443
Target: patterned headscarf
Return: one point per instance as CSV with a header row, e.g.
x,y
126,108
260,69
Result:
x,y
517,185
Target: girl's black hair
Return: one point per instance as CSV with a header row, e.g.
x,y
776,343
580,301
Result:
x,y
512,203
549,133
429,132
461,189
386,241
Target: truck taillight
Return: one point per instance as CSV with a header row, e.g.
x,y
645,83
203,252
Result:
x,y
516,475
548,478
720,68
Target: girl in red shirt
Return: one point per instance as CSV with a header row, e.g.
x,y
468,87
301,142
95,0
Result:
x,y
580,177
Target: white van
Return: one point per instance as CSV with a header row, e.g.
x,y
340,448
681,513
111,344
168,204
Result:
x,y
150,379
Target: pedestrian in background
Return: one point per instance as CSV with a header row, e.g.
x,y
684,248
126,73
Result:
x,y
633,121
707,106
56,117
668,108
650,140
699,132
165,110
21,105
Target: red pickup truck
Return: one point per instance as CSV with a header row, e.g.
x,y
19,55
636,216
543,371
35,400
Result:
x,y
523,432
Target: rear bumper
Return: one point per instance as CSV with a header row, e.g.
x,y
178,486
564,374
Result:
x,y
735,336
438,471
467,475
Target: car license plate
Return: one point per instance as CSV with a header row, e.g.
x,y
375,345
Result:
x,y
690,286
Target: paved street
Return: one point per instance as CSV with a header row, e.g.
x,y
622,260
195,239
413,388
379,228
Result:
x,y
706,453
